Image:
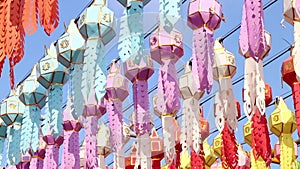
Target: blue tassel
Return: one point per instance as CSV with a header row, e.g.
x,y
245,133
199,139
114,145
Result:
x,y
35,134
2,141
169,13
124,46
26,130
77,97
55,109
13,150
93,47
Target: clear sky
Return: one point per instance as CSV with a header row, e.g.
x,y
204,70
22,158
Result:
x,y
232,9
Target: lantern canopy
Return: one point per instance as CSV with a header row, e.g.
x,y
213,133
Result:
x,y
164,45
12,109
50,71
32,92
205,13
282,121
70,46
224,65
288,71
97,22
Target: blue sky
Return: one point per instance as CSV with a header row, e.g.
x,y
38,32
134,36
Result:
x,y
232,9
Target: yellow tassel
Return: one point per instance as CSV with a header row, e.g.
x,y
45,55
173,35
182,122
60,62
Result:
x,y
185,161
257,164
287,156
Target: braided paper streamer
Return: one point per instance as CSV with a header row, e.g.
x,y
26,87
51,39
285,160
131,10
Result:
x,y
124,45
77,97
71,150
114,109
91,58
2,141
229,148
30,16
49,15
202,61
191,125
51,157
296,98
197,159
45,126
168,91
144,151
169,13
257,163
35,117
260,138
3,17
100,75
13,154
91,160
135,25
141,105
252,43
55,109
287,156
30,129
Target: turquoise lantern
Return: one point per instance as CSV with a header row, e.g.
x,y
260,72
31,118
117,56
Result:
x,y
33,95
53,75
96,24
12,113
70,47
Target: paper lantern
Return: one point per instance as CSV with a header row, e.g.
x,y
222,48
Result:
x,y
217,145
210,157
12,110
268,94
97,22
70,46
248,133
205,13
165,46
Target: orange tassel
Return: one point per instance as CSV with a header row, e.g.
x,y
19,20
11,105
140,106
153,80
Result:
x,y
30,16
51,17
3,17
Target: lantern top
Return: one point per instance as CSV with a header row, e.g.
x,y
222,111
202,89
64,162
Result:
x,y
32,93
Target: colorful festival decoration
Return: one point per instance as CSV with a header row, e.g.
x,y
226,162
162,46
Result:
x,y
70,49
71,149
283,124
291,15
204,17
34,122
254,45
117,89
167,49
226,113
11,114
33,96
21,17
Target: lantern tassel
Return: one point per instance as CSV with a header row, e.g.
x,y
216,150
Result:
x,y
76,76
35,135
55,110
90,141
296,98
13,154
202,62
286,151
260,137
30,16
89,68
124,45
257,163
197,159
26,130
100,77
169,13
50,15
229,148
3,17
2,141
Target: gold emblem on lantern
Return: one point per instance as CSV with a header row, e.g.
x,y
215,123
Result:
x,y
275,118
107,17
177,39
46,66
12,106
288,66
64,44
